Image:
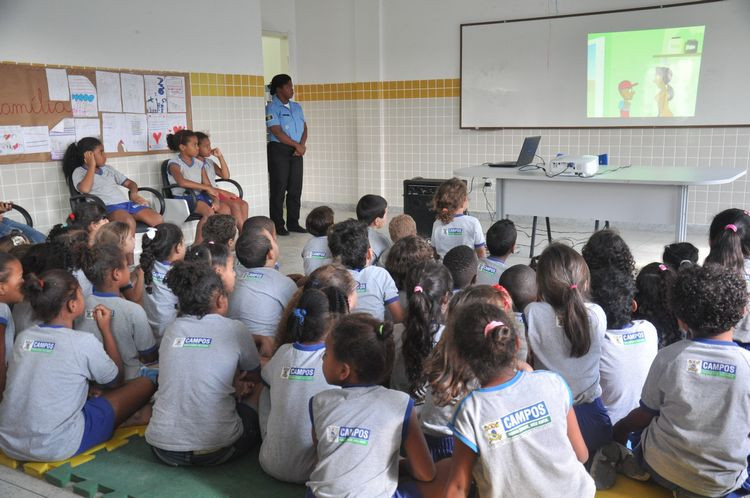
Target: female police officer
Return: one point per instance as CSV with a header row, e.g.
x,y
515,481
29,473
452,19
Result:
x,y
287,134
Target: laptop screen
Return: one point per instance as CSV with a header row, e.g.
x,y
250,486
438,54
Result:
x,y
528,150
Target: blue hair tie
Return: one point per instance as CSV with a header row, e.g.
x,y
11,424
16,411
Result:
x,y
300,314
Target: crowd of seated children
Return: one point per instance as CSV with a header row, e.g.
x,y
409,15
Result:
x,y
526,386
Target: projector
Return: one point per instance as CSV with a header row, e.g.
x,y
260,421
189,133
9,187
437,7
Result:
x,y
574,165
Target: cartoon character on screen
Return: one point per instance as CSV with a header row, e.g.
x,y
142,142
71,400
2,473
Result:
x,y
626,92
662,77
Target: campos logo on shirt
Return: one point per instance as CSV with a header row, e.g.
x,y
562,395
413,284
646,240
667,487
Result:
x,y
317,255
629,339
297,373
487,269
251,275
192,342
361,287
453,232
89,314
517,423
712,369
38,346
354,435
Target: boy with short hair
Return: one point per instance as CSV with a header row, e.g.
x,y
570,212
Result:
x,y
501,242
461,261
400,226
316,252
221,229
376,289
520,282
372,210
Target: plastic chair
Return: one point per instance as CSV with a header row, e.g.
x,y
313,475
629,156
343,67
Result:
x,y
169,194
26,216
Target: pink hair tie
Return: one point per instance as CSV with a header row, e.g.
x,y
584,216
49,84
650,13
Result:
x,y
492,326
574,286
663,267
731,227
418,289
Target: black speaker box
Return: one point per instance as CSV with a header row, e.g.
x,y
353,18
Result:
x,y
418,196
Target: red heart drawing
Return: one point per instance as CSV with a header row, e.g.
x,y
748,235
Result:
x,y
15,146
157,136
178,128
7,136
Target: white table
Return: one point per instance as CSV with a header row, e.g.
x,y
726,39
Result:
x,y
638,194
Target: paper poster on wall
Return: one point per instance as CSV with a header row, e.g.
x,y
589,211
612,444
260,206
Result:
x,y
176,122
157,131
57,84
35,139
175,93
82,97
136,130
124,132
88,127
156,94
60,136
108,91
132,92
11,140
112,132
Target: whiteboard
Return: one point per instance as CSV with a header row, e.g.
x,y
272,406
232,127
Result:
x,y
537,73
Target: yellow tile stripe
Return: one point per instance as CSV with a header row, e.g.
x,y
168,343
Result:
x,y
370,90
226,85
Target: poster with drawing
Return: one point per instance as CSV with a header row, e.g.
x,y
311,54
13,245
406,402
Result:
x,y
82,97
156,94
11,140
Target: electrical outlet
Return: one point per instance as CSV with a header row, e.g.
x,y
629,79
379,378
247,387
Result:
x,y
487,183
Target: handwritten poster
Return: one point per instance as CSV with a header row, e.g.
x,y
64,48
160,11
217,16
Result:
x,y
133,99
156,94
35,139
136,131
60,136
124,132
157,131
108,88
176,122
87,128
11,140
57,84
175,93
82,97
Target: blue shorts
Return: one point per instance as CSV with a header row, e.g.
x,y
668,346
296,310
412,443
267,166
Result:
x,y
596,427
202,197
99,423
130,207
440,446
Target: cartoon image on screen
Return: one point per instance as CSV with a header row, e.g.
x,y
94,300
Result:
x,y
664,62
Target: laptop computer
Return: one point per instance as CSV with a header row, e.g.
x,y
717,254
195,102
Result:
x,y
528,151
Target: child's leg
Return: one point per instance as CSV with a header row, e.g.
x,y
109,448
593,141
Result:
x,y
123,216
149,217
238,209
436,487
129,398
595,425
205,211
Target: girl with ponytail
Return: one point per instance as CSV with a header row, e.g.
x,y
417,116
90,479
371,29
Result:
x,y
565,333
428,290
540,460
292,376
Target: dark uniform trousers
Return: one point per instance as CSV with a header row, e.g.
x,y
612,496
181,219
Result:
x,y
284,178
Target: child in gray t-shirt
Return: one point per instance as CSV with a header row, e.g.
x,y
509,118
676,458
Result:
x,y
358,430
518,434
316,252
372,210
501,242
691,383
293,375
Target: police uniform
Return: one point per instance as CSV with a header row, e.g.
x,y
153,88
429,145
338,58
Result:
x,y
284,168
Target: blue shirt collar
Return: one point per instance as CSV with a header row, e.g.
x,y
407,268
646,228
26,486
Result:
x,y
277,100
496,259
346,386
309,347
103,294
715,342
505,384
51,326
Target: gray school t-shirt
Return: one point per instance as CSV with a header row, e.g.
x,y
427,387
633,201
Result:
x,y
41,415
259,298
375,290
551,349
106,185
23,316
192,172
463,230
130,329
627,355
489,270
700,392
161,305
195,408
379,242
294,375
6,319
210,166
523,351
434,419
518,430
358,446
316,254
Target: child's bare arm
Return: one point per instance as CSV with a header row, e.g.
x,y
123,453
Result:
x,y
635,421
576,438
462,461
420,464
481,252
396,311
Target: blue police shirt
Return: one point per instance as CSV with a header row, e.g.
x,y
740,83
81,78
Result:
x,y
291,119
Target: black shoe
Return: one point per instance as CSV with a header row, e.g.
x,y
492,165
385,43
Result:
x,y
297,229
282,231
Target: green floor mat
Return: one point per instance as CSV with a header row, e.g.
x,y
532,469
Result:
x,y
133,471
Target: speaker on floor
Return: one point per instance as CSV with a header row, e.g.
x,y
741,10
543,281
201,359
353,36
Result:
x,y
418,196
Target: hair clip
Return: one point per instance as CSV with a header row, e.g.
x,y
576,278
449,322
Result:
x,y
663,268
151,233
72,217
492,326
500,288
574,286
747,213
380,330
210,242
418,288
300,314
41,283
731,227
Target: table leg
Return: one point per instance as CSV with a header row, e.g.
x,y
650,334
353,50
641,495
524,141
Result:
x,y
500,198
680,229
